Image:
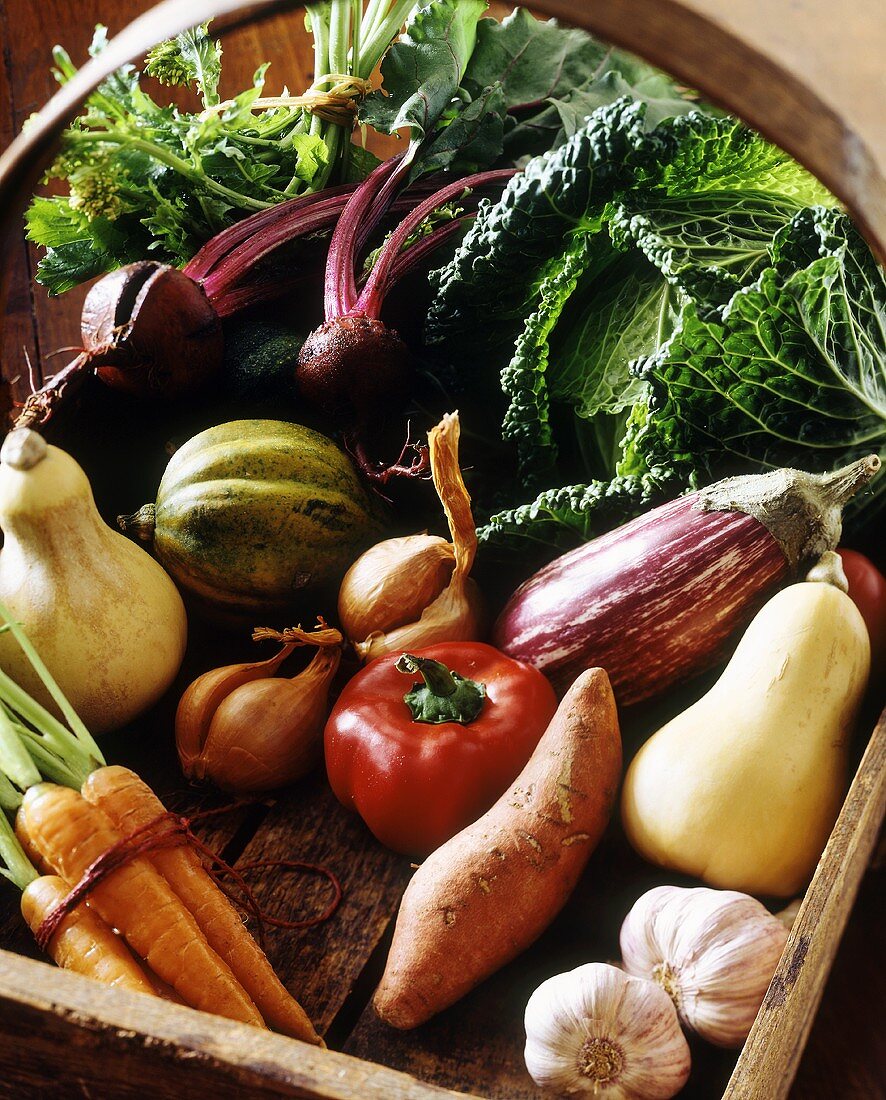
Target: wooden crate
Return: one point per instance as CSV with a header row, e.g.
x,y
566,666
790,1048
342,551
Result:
x,y
61,1035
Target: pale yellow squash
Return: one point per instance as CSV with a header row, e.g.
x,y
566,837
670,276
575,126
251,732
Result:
x,y
743,788
104,616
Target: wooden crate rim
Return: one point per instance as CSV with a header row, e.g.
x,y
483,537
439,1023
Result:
x,y
794,99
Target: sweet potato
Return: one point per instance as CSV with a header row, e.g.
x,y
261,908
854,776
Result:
x,y
490,891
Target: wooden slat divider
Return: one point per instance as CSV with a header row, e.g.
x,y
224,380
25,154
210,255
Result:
x,y
775,1045
321,964
62,1035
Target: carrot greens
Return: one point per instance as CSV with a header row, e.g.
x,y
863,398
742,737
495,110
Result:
x,y
34,744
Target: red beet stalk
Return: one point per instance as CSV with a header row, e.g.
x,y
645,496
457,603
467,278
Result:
x,y
353,368
153,330
658,600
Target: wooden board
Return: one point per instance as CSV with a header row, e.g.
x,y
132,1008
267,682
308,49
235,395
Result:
x,y
91,1042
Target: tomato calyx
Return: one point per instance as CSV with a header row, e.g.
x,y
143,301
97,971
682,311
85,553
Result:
x,y
442,695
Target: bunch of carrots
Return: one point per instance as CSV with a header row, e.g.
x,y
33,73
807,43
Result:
x,y
157,922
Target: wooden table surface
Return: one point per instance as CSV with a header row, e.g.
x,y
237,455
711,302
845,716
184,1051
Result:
x,y
846,1054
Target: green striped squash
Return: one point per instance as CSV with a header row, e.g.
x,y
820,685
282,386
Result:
x,y
251,513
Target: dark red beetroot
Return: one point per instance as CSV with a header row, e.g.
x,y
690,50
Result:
x,y
147,329
142,323
353,368
352,365
154,331
658,600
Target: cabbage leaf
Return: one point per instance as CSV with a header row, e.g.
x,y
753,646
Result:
x,y
665,306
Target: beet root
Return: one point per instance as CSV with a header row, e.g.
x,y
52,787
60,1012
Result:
x,y
354,369
150,330
147,329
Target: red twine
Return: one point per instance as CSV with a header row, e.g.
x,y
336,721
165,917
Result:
x,y
169,830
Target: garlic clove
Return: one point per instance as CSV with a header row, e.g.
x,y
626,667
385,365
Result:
x,y
713,951
596,1031
392,583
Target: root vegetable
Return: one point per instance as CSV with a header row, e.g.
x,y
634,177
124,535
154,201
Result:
x,y
70,835
84,942
131,804
153,330
488,893
455,611
353,368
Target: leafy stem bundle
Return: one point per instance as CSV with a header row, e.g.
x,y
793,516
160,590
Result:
x,y
148,179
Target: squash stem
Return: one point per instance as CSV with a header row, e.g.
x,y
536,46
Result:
x,y
140,523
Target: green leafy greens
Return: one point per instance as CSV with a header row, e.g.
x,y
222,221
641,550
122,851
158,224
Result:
x,y
666,305
151,179
146,178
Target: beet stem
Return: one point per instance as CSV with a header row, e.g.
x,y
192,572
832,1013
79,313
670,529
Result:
x,y
340,287
242,259
377,285
411,257
259,291
222,244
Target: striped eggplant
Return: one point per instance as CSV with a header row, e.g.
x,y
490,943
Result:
x,y
657,600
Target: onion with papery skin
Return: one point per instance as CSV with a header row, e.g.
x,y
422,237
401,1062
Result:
x,y
411,592
393,582
248,730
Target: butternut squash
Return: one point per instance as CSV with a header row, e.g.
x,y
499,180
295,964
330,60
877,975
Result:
x,y
743,788
104,616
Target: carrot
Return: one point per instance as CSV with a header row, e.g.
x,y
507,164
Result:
x,y
490,891
83,942
131,804
70,834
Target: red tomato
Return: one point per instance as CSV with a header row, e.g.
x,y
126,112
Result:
x,y
867,587
417,784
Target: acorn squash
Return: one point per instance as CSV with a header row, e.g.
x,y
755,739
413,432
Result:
x,y
252,513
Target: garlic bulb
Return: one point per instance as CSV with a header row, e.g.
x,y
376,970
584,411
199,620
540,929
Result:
x,y
407,593
393,582
598,1032
713,951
